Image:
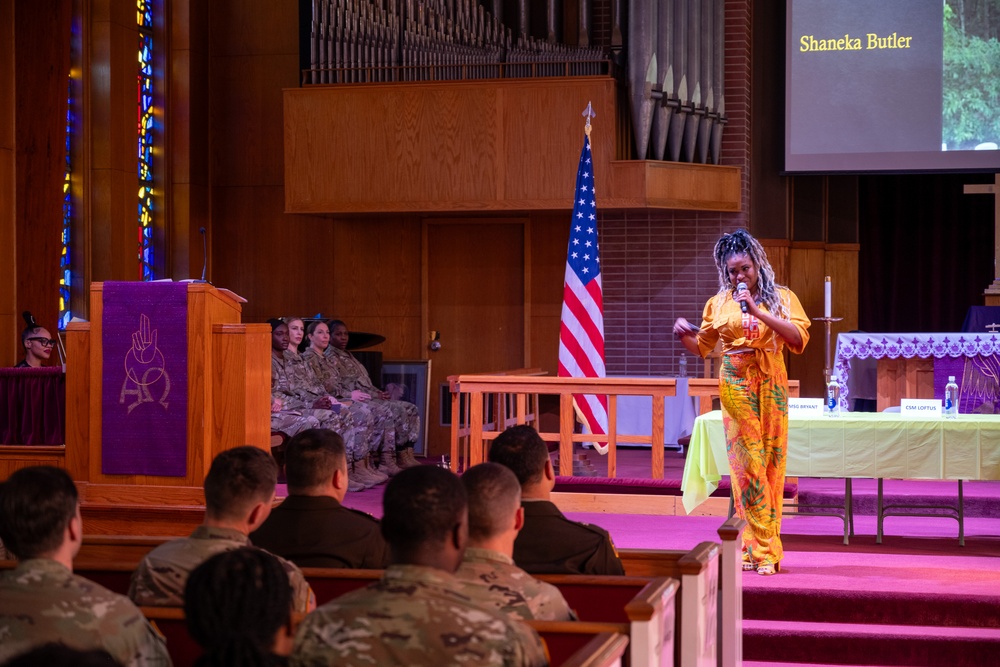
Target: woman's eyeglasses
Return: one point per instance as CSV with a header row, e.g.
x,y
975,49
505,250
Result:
x,y
46,342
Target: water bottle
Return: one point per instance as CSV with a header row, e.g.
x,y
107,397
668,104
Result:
x,y
951,398
682,366
832,408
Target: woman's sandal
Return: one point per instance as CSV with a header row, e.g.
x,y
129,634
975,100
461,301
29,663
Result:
x,y
767,569
748,563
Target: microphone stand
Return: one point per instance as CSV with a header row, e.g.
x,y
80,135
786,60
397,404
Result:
x,y
204,256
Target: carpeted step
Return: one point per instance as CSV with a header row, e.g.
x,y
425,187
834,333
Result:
x,y
878,607
868,643
772,663
981,499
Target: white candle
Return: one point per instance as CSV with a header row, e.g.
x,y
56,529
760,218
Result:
x,y
827,298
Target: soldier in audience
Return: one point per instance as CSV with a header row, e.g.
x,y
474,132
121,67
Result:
x,y
328,375
41,600
239,492
353,376
238,607
293,379
488,573
415,615
549,542
299,409
310,527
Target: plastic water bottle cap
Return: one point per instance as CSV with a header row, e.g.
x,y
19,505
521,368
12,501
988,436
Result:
x,y
951,378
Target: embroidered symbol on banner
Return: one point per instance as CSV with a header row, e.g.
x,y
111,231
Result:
x,y
751,327
144,367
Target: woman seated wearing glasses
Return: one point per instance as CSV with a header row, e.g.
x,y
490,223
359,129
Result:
x,y
37,343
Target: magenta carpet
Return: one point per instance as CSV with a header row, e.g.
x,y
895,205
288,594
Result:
x,y
916,599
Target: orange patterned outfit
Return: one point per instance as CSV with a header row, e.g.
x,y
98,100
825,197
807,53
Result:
x,y
753,387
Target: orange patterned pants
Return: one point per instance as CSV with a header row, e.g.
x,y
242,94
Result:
x,y
755,417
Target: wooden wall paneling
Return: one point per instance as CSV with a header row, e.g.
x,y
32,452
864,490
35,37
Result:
x,y
111,128
475,298
78,398
282,264
842,266
542,134
41,69
242,403
549,239
672,185
375,286
806,271
399,143
246,118
778,252
15,457
9,331
451,146
254,27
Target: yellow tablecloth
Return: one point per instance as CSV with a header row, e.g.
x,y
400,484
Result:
x,y
862,444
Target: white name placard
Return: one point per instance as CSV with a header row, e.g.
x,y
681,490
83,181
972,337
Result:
x,y
920,408
799,408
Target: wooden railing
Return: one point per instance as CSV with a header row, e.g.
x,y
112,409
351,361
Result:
x,y
517,388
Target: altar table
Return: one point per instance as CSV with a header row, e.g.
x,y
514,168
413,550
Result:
x,y
862,444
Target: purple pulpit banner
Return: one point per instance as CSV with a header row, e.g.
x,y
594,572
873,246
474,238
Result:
x,y
144,379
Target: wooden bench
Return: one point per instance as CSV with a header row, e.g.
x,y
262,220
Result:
x,y
572,644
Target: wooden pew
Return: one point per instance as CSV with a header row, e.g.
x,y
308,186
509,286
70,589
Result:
x,y
699,606
98,549
652,623
329,583
604,650
566,639
572,644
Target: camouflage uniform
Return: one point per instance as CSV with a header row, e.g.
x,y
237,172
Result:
x,y
351,375
326,374
159,580
490,579
41,601
413,616
293,383
291,422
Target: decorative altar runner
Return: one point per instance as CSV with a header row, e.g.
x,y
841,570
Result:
x,y
145,379
876,445
973,358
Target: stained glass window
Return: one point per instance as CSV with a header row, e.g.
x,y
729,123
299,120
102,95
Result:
x,y
65,275
145,138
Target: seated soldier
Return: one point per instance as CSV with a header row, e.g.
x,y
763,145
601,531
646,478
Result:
x,y
238,607
239,491
549,542
311,528
488,573
415,615
41,600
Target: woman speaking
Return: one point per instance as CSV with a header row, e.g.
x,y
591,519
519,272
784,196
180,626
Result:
x,y
755,319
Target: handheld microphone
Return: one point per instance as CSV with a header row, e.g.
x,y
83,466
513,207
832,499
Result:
x,y
742,287
204,253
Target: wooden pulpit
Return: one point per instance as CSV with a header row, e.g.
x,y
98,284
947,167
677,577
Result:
x,y
228,404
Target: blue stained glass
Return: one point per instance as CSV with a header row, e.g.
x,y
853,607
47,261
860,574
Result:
x,y
66,281
144,144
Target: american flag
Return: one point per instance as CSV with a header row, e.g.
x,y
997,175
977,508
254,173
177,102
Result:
x,y
581,330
